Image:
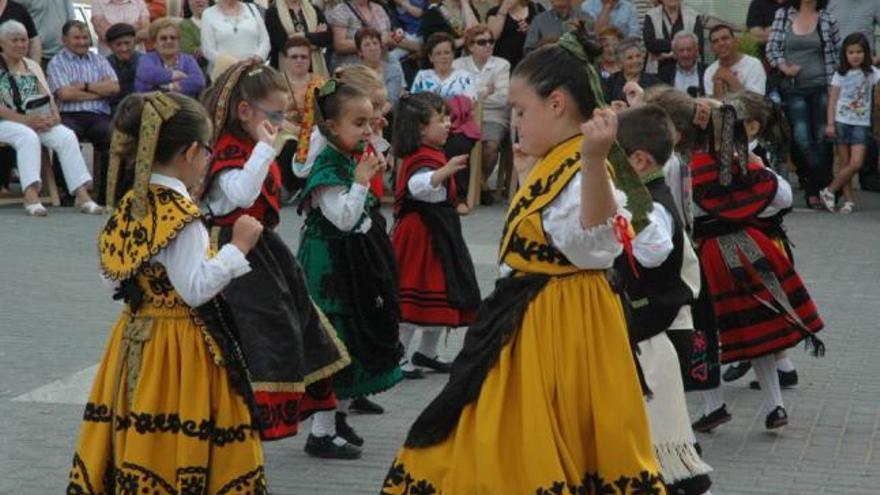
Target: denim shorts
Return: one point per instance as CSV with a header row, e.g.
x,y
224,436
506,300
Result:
x,y
851,134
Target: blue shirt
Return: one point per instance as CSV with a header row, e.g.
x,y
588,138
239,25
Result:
x,y
624,16
67,68
410,23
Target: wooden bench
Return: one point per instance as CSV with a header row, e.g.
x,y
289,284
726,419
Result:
x,y
49,192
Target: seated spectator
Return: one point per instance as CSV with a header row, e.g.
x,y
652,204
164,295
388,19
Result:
x,y
29,118
347,17
661,24
48,17
493,82
687,73
732,71
191,31
549,25
610,37
124,60
83,84
408,14
106,13
509,23
442,78
373,55
631,56
452,17
166,68
235,29
621,14
288,18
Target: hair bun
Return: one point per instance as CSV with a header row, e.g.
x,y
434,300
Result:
x,y
128,115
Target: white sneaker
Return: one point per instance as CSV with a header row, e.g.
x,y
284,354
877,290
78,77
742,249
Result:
x,y
847,208
828,199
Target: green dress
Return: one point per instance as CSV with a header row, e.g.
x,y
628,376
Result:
x,y
352,277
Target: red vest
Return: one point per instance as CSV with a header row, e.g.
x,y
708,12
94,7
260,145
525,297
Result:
x,y
231,152
424,157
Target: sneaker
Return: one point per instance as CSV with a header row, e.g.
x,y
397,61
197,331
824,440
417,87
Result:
x,y
346,432
776,419
828,199
434,363
363,405
787,379
847,208
329,447
709,422
736,371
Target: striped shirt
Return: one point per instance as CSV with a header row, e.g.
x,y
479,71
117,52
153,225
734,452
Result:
x,y
828,34
67,69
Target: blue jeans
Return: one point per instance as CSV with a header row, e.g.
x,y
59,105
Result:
x,y
812,152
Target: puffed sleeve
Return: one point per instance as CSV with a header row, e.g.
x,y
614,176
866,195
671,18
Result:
x,y
591,249
344,206
420,188
653,244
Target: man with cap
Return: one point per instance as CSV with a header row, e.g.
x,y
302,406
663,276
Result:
x,y
123,58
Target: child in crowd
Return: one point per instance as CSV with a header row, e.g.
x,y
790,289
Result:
x,y
661,283
850,102
545,381
438,285
349,261
291,349
166,371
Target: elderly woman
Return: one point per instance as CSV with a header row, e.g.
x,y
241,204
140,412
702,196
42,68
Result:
x,y
610,37
452,17
29,118
661,24
288,18
166,68
349,16
492,81
191,30
234,29
374,56
631,57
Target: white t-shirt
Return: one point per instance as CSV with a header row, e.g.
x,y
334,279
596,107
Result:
x,y
749,71
856,96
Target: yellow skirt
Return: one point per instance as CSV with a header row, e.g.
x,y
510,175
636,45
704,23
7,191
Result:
x,y
182,430
561,412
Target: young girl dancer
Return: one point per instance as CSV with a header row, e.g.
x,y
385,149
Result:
x,y
348,258
290,347
169,405
438,285
850,103
526,408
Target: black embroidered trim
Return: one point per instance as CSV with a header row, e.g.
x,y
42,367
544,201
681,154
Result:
x,y
143,423
530,250
400,481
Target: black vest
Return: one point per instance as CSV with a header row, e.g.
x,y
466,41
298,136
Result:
x,y
657,294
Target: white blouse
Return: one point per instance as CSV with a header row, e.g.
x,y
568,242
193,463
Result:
x,y
459,82
420,188
241,36
196,278
239,188
653,244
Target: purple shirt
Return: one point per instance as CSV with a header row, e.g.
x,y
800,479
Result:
x,y
152,74
67,68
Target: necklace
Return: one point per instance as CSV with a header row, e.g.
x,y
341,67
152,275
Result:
x,y
232,19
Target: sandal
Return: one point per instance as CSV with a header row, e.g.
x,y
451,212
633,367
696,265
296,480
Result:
x,y
90,208
36,210
847,208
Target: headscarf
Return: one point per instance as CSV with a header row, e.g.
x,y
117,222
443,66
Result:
x,y
319,66
158,109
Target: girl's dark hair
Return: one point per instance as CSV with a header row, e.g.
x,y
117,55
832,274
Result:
x,y
413,112
681,109
257,82
867,61
331,105
434,40
769,115
552,67
187,12
820,4
189,125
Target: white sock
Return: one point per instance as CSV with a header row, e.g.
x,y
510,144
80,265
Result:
x,y
342,405
712,400
765,370
430,339
406,334
324,423
785,365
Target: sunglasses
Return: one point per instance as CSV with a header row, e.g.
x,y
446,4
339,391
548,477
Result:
x,y
167,38
484,42
298,57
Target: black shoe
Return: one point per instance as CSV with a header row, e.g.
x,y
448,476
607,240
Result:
x,y
787,379
713,420
736,371
435,364
363,405
344,430
487,198
413,374
776,419
325,448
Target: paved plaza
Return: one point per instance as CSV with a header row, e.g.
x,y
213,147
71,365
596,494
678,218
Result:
x,y
55,316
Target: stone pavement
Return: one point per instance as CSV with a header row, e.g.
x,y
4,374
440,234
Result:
x,y
55,316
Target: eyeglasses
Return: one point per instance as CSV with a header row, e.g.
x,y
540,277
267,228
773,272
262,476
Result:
x,y
275,117
209,151
296,56
484,42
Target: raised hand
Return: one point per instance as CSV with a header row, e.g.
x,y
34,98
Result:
x,y
267,132
599,135
366,169
246,232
